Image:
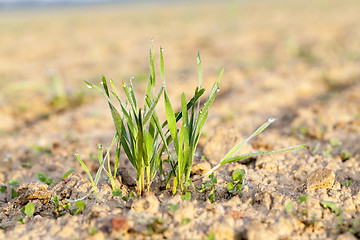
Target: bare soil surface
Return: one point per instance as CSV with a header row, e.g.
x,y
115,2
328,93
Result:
x,y
294,61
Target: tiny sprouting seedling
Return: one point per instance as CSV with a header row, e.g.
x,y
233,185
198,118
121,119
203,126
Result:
x,y
347,184
331,205
185,221
21,220
29,209
116,193
211,236
102,161
238,177
186,196
345,155
44,179
3,188
303,198
14,194
128,197
334,142
61,209
355,228
209,186
80,207
14,182
93,230
289,207
67,174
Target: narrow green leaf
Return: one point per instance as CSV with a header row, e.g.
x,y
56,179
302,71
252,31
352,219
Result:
x,y
238,146
171,121
86,170
248,155
152,107
67,174
162,68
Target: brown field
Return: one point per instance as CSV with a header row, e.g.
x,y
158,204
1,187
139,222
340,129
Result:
x,y
296,61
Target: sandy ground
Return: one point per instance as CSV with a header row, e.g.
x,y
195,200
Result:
x,y
298,62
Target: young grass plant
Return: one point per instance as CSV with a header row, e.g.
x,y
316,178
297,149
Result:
x,y
144,139
186,140
138,131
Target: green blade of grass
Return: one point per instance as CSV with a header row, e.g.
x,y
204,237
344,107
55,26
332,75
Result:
x,y
171,121
248,155
162,68
152,107
238,146
86,170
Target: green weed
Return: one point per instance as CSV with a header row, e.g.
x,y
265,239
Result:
x,y
209,186
236,185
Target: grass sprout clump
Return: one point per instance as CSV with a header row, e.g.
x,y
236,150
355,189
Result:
x,y
144,139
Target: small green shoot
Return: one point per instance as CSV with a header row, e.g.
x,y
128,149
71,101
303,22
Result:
x,y
14,194
93,230
355,229
289,207
21,220
3,188
331,205
334,142
130,196
14,182
172,207
67,174
44,179
347,184
29,209
210,185
303,198
186,196
238,177
117,193
345,155
80,207
211,236
185,221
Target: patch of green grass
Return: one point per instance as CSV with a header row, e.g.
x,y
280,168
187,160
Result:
x,y
236,185
331,205
144,139
44,179
209,186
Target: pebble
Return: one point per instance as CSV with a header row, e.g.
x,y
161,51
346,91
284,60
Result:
x,y
321,178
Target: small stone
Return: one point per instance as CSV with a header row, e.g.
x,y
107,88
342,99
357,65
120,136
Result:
x,y
321,178
149,204
119,224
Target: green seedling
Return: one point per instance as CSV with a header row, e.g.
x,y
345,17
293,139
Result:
x,y
185,221
186,196
345,155
211,236
3,188
289,207
61,209
29,209
355,229
130,196
14,182
331,205
186,140
93,230
94,182
210,185
67,174
334,142
138,131
238,177
348,183
14,194
172,207
117,193
21,220
80,207
303,198
44,179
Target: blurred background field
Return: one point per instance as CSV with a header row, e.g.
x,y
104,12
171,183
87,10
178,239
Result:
x,y
296,46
